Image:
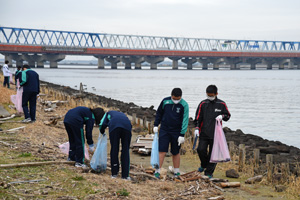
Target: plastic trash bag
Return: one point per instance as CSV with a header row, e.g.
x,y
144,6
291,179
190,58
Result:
x,y
64,148
17,99
11,80
220,152
99,159
154,153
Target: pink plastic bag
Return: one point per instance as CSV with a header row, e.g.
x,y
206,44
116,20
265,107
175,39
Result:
x,y
64,148
220,152
11,80
17,99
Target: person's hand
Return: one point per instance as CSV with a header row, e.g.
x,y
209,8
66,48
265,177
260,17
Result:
x,y
220,117
196,133
91,148
155,129
180,140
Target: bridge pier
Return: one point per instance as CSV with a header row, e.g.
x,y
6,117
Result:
x,y
53,59
153,60
233,62
189,62
174,62
204,61
18,58
269,63
101,63
282,62
113,61
138,62
127,60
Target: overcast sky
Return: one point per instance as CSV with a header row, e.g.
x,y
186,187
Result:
x,y
228,19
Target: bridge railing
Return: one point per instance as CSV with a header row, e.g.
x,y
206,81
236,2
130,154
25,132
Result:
x,y
24,36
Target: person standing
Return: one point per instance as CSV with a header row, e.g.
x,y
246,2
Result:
x,y
30,82
18,75
74,121
119,129
173,117
6,74
207,112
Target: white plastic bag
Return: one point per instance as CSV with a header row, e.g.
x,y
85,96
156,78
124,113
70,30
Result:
x,y
99,159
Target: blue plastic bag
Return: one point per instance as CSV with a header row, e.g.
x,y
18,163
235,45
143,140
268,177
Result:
x,y
154,152
99,159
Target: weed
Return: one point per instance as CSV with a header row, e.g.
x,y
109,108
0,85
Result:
x,y
123,192
27,154
78,178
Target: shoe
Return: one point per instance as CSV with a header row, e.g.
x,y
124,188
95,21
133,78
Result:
x,y
157,175
69,159
77,164
114,176
127,178
209,176
200,169
176,175
27,120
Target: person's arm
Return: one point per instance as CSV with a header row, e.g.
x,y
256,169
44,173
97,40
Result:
x,y
38,84
103,123
89,125
185,118
23,78
199,116
159,114
225,113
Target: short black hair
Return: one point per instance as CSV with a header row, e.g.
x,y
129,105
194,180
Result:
x,y
25,66
19,67
177,92
98,113
6,62
212,89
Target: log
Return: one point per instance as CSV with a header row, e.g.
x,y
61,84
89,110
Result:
x,y
13,129
30,164
230,184
6,118
254,179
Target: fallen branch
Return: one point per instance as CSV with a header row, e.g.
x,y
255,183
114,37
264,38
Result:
x,y
5,143
2,122
29,181
30,164
139,174
230,184
13,129
6,118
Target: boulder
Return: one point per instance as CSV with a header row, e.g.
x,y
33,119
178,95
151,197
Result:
x,y
268,150
232,173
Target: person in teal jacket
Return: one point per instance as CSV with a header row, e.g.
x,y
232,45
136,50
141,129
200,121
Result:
x,y
173,117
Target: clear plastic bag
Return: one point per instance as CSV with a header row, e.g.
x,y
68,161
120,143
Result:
x,y
17,99
220,152
99,159
64,148
154,153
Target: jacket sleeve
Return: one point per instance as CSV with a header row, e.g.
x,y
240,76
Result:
x,y
225,112
23,78
198,116
185,119
89,130
103,123
159,114
38,81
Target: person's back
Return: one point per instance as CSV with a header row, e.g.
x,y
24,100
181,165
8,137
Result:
x,y
30,81
5,70
115,120
77,116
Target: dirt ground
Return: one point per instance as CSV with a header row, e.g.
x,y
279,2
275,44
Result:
x,y
39,142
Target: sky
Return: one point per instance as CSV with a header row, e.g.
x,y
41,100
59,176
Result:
x,y
216,19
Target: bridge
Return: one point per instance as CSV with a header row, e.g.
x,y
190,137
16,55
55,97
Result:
x,y
37,46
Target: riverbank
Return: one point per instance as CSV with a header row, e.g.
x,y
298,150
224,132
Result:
x,y
41,142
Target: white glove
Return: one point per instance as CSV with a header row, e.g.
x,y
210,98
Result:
x,y
220,117
91,148
155,129
196,133
180,140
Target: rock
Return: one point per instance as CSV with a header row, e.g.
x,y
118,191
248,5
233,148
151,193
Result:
x,y
268,150
254,179
280,188
239,132
44,192
232,173
226,129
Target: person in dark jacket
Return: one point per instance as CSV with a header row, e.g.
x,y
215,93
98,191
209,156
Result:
x,y
30,82
119,129
74,121
173,117
207,112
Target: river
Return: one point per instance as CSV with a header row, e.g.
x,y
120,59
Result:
x,y
261,102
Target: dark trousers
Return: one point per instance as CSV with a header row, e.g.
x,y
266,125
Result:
x,y
205,156
31,98
76,140
6,81
114,137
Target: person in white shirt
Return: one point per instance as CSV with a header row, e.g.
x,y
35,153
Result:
x,y
6,74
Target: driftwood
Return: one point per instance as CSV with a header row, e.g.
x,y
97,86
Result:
x,y
190,176
230,184
6,118
29,181
139,174
13,129
218,180
29,164
254,179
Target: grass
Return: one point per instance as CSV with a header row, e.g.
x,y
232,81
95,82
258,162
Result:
x,y
27,154
78,178
123,192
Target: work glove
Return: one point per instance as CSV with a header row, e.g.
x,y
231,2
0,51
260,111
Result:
x,y
155,129
91,148
196,133
180,140
220,117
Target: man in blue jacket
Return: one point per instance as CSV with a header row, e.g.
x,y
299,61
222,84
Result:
x,y
207,112
74,121
173,117
119,128
30,82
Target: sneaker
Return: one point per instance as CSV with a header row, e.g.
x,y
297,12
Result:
x,y
200,169
176,175
77,164
209,176
27,120
127,178
114,176
157,175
